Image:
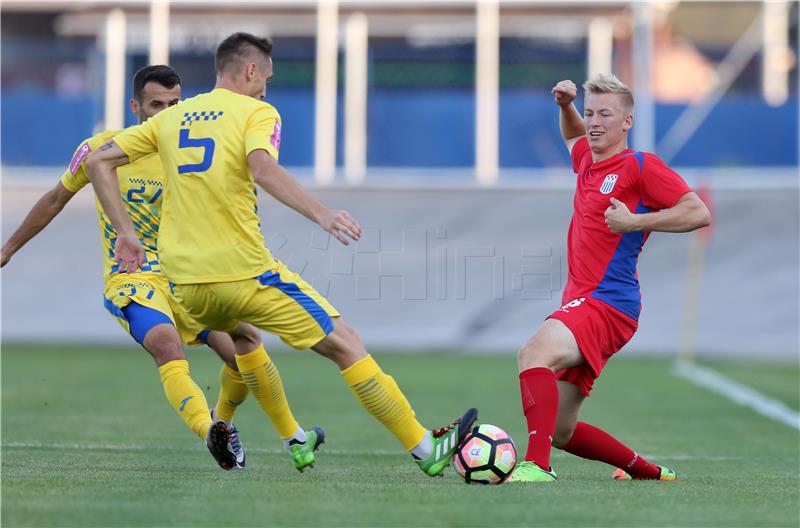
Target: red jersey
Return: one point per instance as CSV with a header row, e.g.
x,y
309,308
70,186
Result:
x,y
602,264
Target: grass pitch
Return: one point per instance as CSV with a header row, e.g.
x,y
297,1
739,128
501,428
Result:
x,y
88,440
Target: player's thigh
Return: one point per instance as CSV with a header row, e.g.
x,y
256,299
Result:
x,y
142,308
552,346
282,303
570,399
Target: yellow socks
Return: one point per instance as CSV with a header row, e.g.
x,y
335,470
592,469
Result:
x,y
381,397
264,381
232,392
185,396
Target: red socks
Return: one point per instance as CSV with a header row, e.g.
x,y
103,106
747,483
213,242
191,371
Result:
x,y
540,406
595,444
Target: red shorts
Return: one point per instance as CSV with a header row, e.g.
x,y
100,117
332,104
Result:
x,y
600,332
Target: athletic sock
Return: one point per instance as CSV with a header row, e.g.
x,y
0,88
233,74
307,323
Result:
x,y
379,394
595,444
232,392
185,396
540,406
423,449
264,381
299,437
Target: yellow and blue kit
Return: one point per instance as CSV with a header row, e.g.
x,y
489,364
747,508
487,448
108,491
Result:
x,y
141,300
210,241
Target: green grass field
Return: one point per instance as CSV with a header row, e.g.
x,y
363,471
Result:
x,y
88,440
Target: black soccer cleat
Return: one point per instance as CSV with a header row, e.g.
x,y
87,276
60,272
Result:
x,y
218,442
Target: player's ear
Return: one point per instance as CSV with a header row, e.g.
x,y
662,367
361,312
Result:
x,y
628,122
134,106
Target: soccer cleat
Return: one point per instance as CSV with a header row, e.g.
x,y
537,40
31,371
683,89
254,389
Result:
x,y
236,443
303,453
218,441
527,471
666,474
445,441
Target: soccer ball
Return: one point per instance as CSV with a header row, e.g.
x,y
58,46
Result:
x,y
487,455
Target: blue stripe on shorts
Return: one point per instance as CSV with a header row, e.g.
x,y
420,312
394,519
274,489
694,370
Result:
x,y
293,290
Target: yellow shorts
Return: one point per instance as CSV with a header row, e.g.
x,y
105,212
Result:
x,y
151,291
279,301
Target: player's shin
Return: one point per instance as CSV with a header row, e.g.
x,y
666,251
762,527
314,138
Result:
x,y
264,381
185,396
379,394
232,392
540,406
595,444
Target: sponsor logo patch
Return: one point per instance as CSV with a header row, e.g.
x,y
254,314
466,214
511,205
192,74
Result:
x,y
275,139
79,156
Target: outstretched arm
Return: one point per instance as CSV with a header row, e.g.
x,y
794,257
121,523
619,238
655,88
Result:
x,y
688,214
274,179
101,165
42,213
569,119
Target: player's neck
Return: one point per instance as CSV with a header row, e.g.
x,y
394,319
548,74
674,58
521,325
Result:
x,y
610,152
229,84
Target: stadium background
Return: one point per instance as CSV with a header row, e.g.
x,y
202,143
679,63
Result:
x,y
465,198
433,124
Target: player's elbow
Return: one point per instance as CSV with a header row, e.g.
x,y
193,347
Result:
x,y
702,215
93,166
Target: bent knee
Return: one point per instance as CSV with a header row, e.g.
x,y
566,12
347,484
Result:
x,y
562,435
541,353
165,351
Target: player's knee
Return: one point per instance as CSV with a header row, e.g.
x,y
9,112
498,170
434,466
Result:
x,y
250,334
165,351
537,352
350,337
562,434
343,345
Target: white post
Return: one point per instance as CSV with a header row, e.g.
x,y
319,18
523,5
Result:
x,y
159,32
601,47
115,70
487,81
777,58
326,89
355,103
644,115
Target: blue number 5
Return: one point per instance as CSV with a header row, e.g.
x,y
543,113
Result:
x,y
207,144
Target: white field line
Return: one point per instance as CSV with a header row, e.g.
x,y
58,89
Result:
x,y
738,393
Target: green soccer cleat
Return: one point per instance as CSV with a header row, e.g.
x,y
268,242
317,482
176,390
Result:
x,y
445,441
303,453
527,471
666,474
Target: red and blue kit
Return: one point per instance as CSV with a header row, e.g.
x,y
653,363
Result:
x,y
602,301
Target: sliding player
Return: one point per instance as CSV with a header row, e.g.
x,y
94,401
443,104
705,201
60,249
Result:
x,y
621,196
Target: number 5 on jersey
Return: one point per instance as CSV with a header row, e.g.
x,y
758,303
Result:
x,y
207,144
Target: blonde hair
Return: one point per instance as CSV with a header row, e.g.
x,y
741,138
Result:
x,y
604,83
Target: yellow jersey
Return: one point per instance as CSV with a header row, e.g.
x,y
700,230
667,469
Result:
x,y
210,230
140,184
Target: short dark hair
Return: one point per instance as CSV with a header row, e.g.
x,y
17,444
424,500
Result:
x,y
238,46
161,74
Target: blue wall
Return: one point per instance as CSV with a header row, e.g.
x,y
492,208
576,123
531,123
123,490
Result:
x,y
423,128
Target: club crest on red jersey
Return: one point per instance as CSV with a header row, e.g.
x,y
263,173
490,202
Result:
x,y
608,183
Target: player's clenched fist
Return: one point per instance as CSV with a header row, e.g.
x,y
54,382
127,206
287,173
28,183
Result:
x,y
564,92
